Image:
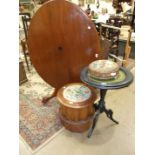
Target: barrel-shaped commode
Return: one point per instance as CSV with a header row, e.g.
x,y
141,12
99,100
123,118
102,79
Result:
x,y
76,106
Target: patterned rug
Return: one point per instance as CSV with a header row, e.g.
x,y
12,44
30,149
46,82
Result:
x,y
37,122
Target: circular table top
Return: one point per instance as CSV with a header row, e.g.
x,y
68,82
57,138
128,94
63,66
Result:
x,y
123,79
61,41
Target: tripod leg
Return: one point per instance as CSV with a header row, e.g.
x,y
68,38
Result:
x,y
95,119
109,114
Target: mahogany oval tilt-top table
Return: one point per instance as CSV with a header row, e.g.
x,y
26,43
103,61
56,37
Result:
x,y
61,41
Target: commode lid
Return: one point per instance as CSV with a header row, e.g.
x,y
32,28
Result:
x,y
103,69
76,95
104,66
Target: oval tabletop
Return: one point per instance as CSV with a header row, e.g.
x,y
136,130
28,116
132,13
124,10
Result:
x,y
123,79
61,41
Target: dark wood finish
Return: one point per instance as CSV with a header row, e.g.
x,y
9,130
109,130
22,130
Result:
x,y
117,4
22,74
25,21
76,117
43,1
25,52
101,106
113,36
105,45
133,19
25,14
62,40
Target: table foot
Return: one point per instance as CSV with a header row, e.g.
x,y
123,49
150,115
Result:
x,y
109,114
95,119
100,108
47,98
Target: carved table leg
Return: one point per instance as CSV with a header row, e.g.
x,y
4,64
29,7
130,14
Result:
x,y
100,108
47,98
95,119
109,114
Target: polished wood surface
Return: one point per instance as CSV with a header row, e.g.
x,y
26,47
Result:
x,y
77,120
127,49
61,41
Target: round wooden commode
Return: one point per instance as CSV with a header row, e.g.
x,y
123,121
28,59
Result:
x,y
76,106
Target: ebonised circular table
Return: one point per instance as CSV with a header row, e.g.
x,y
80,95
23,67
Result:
x,y
123,79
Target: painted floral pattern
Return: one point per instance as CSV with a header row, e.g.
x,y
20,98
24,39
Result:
x,y
77,93
104,66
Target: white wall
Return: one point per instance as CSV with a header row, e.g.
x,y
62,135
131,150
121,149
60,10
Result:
x,y
75,1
